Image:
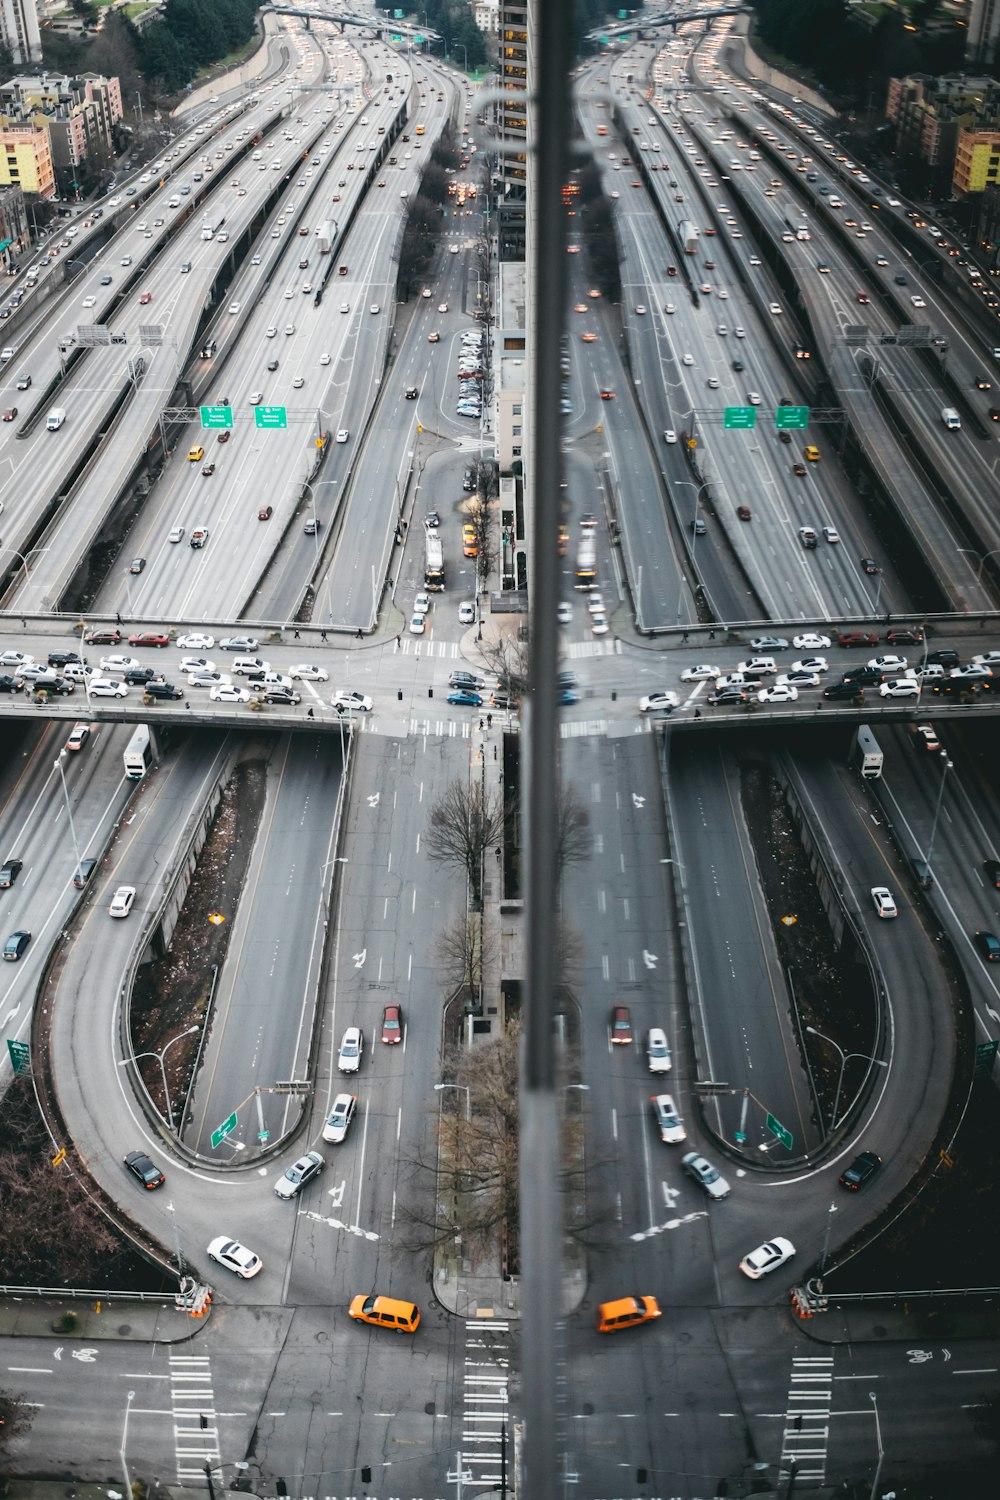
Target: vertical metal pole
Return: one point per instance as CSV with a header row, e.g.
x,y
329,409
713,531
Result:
x,y
548,114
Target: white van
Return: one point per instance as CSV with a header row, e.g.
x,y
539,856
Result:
x,y
951,419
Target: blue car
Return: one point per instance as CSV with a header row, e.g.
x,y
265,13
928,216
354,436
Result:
x,y
566,697
466,697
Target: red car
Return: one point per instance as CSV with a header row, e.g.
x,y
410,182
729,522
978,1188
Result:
x,y
149,638
621,1026
10,414
146,297
392,1024
857,638
265,513
607,395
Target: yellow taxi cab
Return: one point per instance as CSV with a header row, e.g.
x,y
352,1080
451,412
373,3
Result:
x,y
195,455
386,1312
626,1312
469,548
812,454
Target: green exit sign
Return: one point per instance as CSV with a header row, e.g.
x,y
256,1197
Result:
x,y
217,416
791,416
739,416
270,416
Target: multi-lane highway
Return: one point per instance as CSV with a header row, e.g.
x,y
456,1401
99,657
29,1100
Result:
x,y
255,270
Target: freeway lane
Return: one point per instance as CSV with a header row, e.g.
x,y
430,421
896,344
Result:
x,y
266,994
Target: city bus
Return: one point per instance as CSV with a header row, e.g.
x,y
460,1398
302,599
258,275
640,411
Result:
x,y
138,754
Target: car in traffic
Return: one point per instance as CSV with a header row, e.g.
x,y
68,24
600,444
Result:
x,y
701,673
149,638
242,643
462,678
626,1312
899,687
862,1170
811,642
162,689
107,687
989,946
235,1257
884,901
767,1257
668,1121
295,1178
857,638
781,692
386,1312
661,702
15,945
621,1026
308,672
658,1058
9,871
465,697
339,1119
78,737
228,692
122,901
351,1049
392,1024
705,1175
145,1171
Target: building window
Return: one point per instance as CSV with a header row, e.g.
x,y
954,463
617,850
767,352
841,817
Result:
x,y
516,432
516,409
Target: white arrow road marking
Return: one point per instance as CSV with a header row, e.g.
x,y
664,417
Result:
x,y
359,958
649,959
638,801
373,799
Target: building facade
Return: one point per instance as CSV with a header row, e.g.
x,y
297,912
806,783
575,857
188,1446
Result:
x,y
19,31
80,115
512,131
26,159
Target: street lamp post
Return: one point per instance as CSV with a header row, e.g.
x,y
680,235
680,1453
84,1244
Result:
x,y
23,556
844,1059
69,809
135,1056
878,1443
694,532
946,766
982,560
466,1091
130,1397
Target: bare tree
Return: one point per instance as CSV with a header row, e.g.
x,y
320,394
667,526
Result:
x,y
480,519
573,838
508,657
461,827
15,1420
461,951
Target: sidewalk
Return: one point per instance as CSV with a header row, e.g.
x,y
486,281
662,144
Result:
x,y
928,1321
123,1318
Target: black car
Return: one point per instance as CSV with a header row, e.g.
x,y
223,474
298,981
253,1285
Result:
x,y
957,687
15,945
163,690
10,684
906,635
947,657
991,868
727,695
852,690
139,675
61,685
63,658
870,565
862,1168
85,869
9,871
144,1170
281,695
863,674
466,679
988,945
738,366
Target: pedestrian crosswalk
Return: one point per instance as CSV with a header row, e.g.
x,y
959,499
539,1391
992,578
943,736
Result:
x,y
426,646
807,1421
576,650
192,1399
486,1437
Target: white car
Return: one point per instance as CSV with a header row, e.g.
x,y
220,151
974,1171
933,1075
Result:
x,y
668,1121
595,604
784,693
811,642
271,332
417,624
797,679
197,664
351,1048
699,674
16,659
889,663
658,702
205,678
766,1258
899,687
294,1178
118,663
831,534
885,905
564,613
358,702
197,642
90,301
774,307
760,666
810,664
987,659
106,687
235,1257
228,692
687,359
176,534
670,435
374,308
241,643
341,1115
308,673
324,359
658,1055
599,625
121,901
422,604
467,612
343,433
975,670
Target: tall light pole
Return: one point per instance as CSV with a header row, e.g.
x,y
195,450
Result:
x,y
466,1091
844,1059
982,559
23,556
878,1441
135,1056
128,1407
69,810
946,766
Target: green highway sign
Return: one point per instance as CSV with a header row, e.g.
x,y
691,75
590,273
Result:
x,y
739,416
777,1129
20,1056
791,416
270,416
217,416
985,1056
226,1128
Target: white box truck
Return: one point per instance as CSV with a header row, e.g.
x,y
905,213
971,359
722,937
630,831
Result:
x,y
951,419
55,419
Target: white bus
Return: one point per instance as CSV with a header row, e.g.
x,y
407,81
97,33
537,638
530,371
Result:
x,y
138,755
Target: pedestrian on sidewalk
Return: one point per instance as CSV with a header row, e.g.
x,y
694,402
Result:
x,y
359,634
480,724
489,721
